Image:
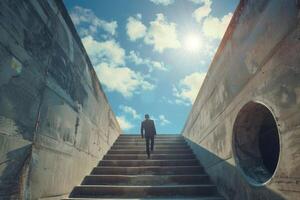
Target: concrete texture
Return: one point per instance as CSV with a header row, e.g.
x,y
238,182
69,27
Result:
x,y
258,61
55,121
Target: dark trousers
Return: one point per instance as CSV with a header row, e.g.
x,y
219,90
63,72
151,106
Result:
x,y
148,139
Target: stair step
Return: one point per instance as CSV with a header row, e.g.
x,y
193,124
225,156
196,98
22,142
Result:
x,y
143,156
169,198
156,136
133,163
150,170
139,139
156,148
145,179
143,151
156,143
142,191
164,139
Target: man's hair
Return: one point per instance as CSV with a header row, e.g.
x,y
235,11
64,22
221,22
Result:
x,y
147,116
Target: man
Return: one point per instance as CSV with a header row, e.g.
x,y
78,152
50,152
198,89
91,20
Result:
x,y
148,127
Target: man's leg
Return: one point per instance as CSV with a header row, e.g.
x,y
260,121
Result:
x,y
147,146
152,143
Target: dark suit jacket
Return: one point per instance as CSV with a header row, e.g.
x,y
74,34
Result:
x,y
149,128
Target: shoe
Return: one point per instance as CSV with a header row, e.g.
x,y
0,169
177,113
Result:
x,y
148,157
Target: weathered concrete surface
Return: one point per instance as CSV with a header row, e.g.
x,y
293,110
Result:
x,y
55,121
258,60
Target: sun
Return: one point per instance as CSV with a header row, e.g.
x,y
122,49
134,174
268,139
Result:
x,y
192,43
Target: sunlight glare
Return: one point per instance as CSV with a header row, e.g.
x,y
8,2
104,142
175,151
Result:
x,y
192,43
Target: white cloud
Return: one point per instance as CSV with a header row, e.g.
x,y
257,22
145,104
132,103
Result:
x,y
135,28
136,59
203,11
163,120
188,88
157,65
196,1
122,79
131,111
108,51
124,123
162,34
108,59
214,27
162,2
81,15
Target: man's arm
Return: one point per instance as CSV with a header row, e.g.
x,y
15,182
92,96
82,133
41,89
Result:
x,y
142,128
154,130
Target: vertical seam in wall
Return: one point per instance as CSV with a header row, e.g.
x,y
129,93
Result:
x,y
23,177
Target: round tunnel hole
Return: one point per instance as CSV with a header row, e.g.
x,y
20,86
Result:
x,y
256,143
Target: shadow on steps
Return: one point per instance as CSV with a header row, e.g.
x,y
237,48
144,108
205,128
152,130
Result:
x,y
229,179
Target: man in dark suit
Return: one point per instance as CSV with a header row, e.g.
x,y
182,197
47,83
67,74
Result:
x,y
148,127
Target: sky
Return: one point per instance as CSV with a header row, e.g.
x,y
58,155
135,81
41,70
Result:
x,y
151,56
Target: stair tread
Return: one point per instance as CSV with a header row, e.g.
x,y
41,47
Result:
x,y
156,151
140,152
150,180
143,144
197,198
146,162
145,175
138,191
171,147
147,186
181,160
164,154
158,135
141,167
156,170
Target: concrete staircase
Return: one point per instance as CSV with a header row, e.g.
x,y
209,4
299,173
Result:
x,y
125,172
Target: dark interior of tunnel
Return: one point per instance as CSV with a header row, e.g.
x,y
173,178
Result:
x,y
269,142
256,143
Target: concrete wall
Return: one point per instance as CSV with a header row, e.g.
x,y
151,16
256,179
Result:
x,y
258,60
55,121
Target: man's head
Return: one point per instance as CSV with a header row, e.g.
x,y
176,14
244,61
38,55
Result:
x,y
147,116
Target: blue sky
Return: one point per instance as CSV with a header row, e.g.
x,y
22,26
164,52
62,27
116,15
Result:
x,y
151,56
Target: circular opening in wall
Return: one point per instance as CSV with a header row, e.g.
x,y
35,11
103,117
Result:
x,y
256,144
